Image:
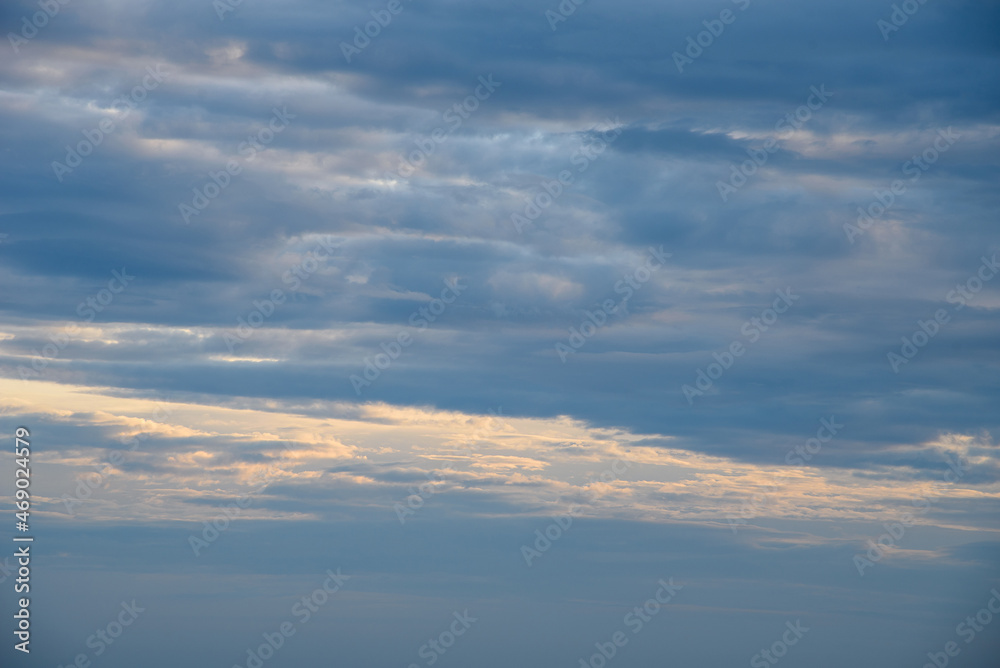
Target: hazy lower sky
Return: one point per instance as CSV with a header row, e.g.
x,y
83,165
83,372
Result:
x,y
438,333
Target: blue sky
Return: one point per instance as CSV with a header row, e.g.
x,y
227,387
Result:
x,y
508,312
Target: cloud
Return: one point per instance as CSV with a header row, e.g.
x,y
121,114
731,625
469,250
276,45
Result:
x,y
309,251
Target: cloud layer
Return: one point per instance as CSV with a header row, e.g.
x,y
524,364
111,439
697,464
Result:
x,y
463,264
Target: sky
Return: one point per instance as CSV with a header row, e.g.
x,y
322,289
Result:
x,y
407,333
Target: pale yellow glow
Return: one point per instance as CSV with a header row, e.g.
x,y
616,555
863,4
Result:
x,y
545,463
